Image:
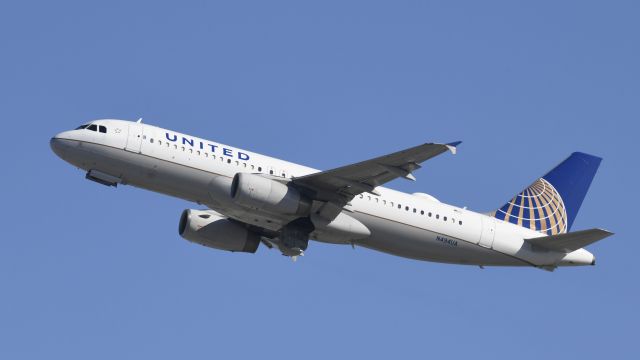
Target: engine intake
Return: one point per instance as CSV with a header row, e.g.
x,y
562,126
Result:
x,y
261,193
213,230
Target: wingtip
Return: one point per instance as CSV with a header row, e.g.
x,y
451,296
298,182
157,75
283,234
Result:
x,y
455,143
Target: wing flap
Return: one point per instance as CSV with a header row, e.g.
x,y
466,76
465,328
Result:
x,y
571,241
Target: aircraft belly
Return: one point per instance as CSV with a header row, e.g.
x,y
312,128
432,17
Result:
x,y
415,243
148,173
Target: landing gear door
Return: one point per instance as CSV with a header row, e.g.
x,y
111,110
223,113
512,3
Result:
x,y
134,139
488,232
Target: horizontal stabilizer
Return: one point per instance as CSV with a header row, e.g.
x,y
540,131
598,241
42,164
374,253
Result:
x,y
570,241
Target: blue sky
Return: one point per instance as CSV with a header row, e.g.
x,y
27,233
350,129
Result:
x,y
93,272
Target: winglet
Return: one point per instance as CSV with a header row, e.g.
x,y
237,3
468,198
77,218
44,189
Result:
x,y
452,146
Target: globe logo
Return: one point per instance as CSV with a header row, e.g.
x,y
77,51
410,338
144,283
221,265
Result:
x,y
539,207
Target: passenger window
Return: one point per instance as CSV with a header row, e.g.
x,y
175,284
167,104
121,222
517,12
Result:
x,y
253,167
399,206
406,208
151,140
444,218
260,168
429,214
144,137
93,127
460,222
103,129
190,151
414,210
421,212
228,161
437,216
270,172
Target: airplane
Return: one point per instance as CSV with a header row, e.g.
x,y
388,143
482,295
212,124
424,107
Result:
x,y
253,199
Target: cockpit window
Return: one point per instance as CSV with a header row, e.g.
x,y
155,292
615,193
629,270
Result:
x,y
93,127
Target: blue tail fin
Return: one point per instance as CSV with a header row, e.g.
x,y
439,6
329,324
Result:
x,y
551,203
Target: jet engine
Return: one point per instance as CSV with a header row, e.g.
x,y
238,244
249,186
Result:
x,y
261,193
213,230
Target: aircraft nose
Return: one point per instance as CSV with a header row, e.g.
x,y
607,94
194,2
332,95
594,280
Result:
x,y
57,146
60,144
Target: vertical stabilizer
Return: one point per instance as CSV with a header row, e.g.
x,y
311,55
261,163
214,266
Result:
x,y
551,203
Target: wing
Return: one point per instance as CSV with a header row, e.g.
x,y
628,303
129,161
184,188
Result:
x,y
340,185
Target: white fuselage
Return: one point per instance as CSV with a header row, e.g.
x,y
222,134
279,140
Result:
x,y
410,225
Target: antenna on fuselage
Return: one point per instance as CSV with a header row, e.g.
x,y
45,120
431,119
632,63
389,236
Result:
x,y
139,121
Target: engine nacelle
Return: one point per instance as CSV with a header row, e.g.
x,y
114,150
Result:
x,y
260,193
213,230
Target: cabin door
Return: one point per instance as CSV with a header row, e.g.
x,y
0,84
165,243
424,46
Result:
x,y
134,139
